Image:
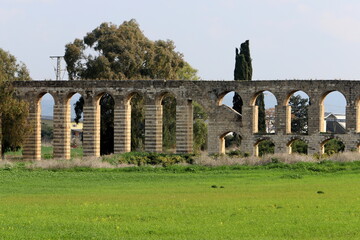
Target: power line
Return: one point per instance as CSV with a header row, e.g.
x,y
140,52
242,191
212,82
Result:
x,y
58,66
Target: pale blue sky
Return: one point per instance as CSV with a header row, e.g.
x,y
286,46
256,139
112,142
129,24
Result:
x,y
289,39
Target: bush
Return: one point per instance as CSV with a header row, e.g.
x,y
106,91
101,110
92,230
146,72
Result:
x,y
141,159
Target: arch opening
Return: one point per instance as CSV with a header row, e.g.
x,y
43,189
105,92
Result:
x,y
297,113
332,145
297,146
46,111
230,143
136,101
333,113
264,147
264,118
75,102
168,102
106,103
231,99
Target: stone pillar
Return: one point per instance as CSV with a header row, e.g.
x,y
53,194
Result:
x,y
184,127
32,144
91,129
62,130
315,118
280,147
314,147
255,119
358,116
215,144
288,119
351,117
122,127
280,119
153,127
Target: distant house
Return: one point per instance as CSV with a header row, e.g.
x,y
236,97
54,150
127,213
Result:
x,y
270,120
335,123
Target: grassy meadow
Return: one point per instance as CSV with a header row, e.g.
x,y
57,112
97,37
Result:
x,y
274,201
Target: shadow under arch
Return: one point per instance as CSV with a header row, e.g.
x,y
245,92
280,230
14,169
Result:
x,y
106,104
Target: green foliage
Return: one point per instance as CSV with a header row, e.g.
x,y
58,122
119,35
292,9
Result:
x,y
137,123
243,66
107,124
299,146
141,159
14,113
243,71
47,132
299,113
123,52
232,140
266,147
334,146
261,117
169,123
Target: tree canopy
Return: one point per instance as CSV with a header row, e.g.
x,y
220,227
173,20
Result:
x,y
122,52
14,112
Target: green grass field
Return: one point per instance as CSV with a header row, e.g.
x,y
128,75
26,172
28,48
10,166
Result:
x,y
179,203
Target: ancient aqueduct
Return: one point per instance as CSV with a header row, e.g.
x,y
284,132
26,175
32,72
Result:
x,y
209,94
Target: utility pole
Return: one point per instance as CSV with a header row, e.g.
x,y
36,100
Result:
x,y
58,66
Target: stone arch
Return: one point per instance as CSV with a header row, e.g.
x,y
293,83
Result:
x,y
222,148
136,125
322,125
162,94
270,116
292,140
168,102
327,139
224,94
130,95
74,131
289,114
257,151
104,104
39,124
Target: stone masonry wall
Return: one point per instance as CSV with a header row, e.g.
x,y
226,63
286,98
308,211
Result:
x,y
222,119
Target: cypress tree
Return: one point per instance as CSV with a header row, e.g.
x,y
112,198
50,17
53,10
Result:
x,y
243,71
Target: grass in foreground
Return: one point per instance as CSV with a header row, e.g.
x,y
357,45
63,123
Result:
x,y
275,201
